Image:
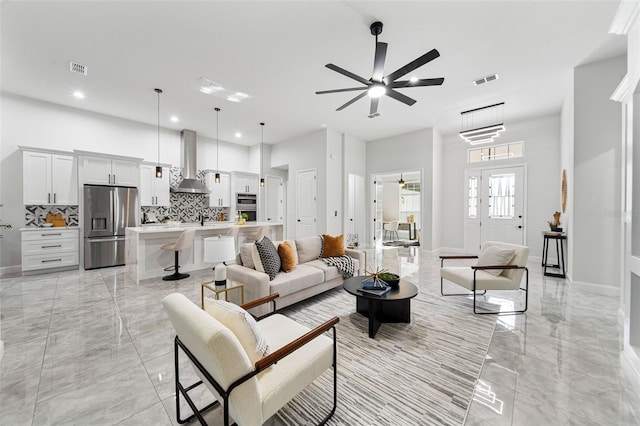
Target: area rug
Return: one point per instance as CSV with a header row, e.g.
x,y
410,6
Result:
x,y
421,373
401,243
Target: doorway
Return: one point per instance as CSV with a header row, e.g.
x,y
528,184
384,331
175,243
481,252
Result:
x,y
393,202
306,203
495,201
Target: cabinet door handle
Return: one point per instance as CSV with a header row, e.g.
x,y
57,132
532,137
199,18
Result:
x,y
52,246
51,235
54,198
114,178
52,260
109,177
48,197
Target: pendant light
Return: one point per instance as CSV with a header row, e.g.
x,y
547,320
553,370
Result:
x,y
217,177
158,166
261,149
401,181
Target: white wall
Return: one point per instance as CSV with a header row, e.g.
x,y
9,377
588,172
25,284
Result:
x,y
354,160
566,163
40,124
436,188
597,159
409,151
542,150
303,153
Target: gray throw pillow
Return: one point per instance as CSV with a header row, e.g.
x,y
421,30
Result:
x,y
269,257
494,256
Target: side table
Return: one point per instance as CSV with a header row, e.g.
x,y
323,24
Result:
x,y
559,238
218,290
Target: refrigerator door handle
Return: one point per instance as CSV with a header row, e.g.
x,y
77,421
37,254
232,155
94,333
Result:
x,y
104,240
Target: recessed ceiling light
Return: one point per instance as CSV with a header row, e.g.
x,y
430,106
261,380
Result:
x,y
78,94
413,79
323,125
238,135
242,95
232,99
174,119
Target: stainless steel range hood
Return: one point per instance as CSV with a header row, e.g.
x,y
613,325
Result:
x,y
190,184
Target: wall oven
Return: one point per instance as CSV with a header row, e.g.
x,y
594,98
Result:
x,y
247,203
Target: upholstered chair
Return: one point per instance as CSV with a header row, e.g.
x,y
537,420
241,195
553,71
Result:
x,y
184,241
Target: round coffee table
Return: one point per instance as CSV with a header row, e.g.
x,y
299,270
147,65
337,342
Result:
x,y
395,306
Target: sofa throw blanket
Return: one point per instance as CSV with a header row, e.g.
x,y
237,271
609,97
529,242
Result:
x,y
345,264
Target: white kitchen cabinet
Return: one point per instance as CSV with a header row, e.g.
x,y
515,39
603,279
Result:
x,y
154,191
49,248
220,192
49,178
109,171
245,183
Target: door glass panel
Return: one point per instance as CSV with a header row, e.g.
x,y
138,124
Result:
x,y
473,197
410,202
502,196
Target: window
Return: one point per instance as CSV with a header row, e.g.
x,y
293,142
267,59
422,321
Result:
x,y
502,196
473,197
495,152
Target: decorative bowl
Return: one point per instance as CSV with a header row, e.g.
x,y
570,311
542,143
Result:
x,y
392,279
47,225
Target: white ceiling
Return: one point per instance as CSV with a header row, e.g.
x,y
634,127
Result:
x,y
276,52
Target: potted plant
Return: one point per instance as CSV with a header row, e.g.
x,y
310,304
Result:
x,y
555,224
242,218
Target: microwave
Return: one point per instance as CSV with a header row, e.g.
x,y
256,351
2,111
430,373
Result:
x,y
246,201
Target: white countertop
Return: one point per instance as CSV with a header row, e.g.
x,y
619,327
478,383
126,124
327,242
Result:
x,y
45,228
208,226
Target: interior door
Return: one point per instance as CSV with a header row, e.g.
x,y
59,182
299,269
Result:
x,y
377,209
275,195
502,206
306,203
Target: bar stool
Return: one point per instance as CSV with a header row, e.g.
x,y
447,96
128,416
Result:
x,y
184,241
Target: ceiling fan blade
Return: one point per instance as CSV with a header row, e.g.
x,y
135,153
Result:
x,y
422,82
416,63
350,89
378,62
374,105
348,74
400,97
360,96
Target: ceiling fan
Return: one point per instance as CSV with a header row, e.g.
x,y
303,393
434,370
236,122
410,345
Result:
x,y
379,84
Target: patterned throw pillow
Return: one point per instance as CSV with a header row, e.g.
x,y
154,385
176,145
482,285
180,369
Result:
x,y
333,246
269,257
288,256
242,325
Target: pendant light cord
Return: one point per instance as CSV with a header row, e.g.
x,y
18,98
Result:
x,y
261,149
217,140
158,91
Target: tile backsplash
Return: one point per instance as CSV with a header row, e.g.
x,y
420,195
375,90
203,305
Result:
x,y
37,215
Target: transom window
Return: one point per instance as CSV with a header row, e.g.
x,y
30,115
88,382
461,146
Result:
x,y
495,152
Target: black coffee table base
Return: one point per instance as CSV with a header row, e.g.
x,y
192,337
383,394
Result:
x,y
378,312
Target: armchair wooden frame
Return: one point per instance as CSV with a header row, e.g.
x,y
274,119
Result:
x,y
474,291
260,366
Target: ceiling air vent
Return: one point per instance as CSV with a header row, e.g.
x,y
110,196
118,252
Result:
x,y
77,68
486,79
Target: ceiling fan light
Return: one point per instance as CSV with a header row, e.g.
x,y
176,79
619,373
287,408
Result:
x,y
377,90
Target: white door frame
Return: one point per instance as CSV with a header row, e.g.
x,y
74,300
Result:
x,y
478,171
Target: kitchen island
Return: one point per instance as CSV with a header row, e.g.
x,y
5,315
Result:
x,y
145,259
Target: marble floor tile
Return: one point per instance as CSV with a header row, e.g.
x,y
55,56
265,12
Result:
x,y
101,346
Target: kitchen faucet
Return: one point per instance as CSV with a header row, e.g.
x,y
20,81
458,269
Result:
x,y
202,218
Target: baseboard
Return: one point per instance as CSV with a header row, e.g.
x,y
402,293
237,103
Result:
x,y
630,364
605,290
5,270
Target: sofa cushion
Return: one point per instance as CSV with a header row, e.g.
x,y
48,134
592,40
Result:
x,y
330,272
242,325
309,248
246,255
301,277
288,256
332,246
269,257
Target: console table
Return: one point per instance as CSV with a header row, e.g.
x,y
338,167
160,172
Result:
x,y
560,238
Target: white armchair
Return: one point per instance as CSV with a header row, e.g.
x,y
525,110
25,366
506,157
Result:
x,y
490,273
248,392
391,228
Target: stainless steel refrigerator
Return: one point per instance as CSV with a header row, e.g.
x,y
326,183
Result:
x,y
108,210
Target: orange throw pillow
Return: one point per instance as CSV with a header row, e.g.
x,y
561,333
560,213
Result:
x,y
333,246
287,256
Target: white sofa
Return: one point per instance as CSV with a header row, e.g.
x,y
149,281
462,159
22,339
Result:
x,y
311,275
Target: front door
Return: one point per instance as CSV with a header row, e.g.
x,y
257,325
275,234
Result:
x,y
494,207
